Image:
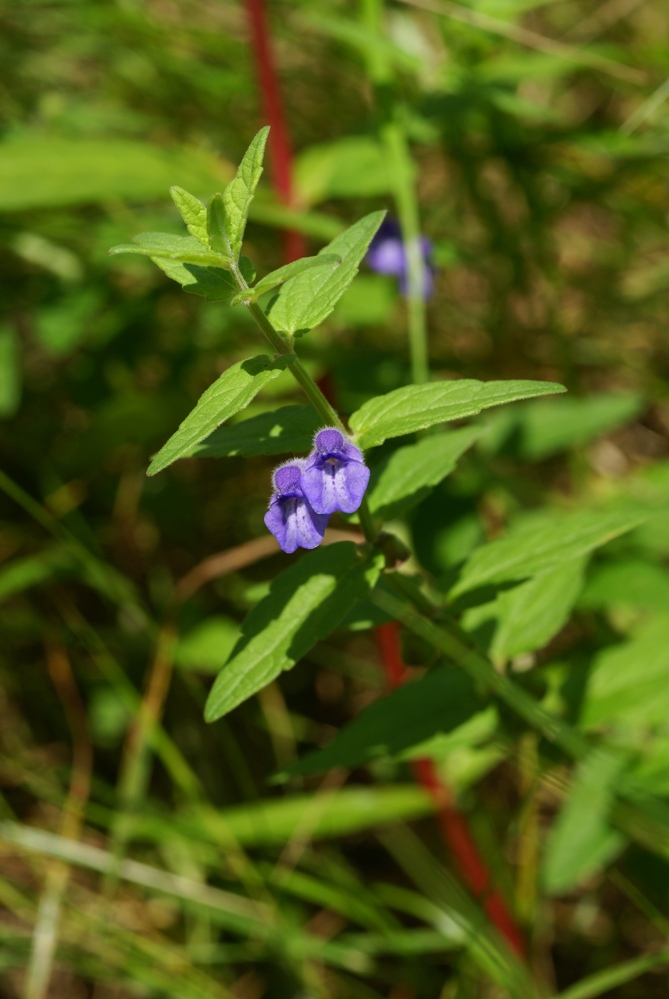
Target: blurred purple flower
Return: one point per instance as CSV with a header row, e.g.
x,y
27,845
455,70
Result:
x,y
290,518
386,255
335,475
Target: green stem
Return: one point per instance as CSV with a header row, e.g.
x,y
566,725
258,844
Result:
x,y
285,345
393,137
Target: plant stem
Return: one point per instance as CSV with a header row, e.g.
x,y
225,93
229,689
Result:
x,y
284,345
393,138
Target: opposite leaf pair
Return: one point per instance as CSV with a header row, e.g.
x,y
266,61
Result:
x,y
307,491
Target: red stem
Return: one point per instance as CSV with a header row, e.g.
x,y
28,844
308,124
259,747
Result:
x,y
279,142
454,826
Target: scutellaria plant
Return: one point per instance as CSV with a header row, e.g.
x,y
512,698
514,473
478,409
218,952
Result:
x,y
325,475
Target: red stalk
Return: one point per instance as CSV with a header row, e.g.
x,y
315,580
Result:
x,y
453,824
280,149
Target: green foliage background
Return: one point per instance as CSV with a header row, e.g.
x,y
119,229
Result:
x,y
152,852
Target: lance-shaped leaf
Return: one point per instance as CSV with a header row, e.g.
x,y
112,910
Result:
x,y
162,245
193,212
231,393
305,603
227,213
410,473
309,298
282,274
290,428
212,283
416,407
545,541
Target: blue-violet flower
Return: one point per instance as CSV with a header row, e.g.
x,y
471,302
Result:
x,y
387,255
335,475
290,517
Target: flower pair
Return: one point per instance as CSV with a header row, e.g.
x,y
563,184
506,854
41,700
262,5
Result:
x,y
308,490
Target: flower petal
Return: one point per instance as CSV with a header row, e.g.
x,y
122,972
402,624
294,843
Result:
x,y
294,524
335,485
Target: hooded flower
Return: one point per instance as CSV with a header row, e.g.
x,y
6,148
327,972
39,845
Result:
x,y
335,475
290,518
387,255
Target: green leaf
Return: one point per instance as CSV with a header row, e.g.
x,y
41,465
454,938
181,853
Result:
x,y
231,393
98,170
291,428
629,683
544,428
309,298
305,603
185,249
582,842
411,472
544,541
203,647
416,407
217,231
238,195
529,615
328,814
633,582
442,700
212,283
354,166
193,212
282,274
10,371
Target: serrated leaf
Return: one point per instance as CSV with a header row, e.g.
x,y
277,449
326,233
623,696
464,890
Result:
x,y
411,472
582,842
416,407
238,195
309,298
185,249
193,212
282,274
212,283
305,603
291,428
231,393
544,541
436,704
529,615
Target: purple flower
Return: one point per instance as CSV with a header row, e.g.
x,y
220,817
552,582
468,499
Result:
x,y
335,475
290,517
387,255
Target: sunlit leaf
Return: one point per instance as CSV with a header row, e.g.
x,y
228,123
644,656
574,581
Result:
x,y
416,407
307,299
231,393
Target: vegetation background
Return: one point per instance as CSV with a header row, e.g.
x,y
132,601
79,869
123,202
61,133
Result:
x,y
145,853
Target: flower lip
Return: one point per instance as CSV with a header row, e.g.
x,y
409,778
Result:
x,y
329,441
287,477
